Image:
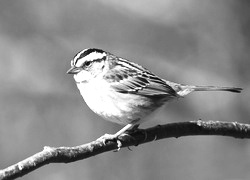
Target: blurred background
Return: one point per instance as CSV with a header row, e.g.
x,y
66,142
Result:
x,y
186,41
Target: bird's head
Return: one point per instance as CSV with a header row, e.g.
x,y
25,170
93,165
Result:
x,y
88,64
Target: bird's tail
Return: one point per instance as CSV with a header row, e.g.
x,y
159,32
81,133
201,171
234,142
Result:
x,y
215,88
183,90
186,89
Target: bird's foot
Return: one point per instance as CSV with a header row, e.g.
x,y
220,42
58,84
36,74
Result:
x,y
111,137
118,137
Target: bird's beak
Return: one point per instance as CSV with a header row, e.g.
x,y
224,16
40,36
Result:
x,y
74,70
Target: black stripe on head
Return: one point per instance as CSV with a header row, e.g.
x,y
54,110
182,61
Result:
x,y
86,52
89,51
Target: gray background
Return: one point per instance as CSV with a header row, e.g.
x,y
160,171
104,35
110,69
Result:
x,y
187,41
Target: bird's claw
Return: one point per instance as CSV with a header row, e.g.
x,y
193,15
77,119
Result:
x,y
119,137
110,137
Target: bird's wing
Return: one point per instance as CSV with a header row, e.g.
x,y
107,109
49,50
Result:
x,y
137,80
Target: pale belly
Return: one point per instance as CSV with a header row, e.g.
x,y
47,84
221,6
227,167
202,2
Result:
x,y
113,106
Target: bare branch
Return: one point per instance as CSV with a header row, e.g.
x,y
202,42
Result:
x,y
70,154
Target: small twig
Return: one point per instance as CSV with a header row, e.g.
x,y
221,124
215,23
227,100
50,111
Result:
x,y
71,154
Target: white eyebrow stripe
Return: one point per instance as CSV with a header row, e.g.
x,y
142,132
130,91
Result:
x,y
90,57
78,55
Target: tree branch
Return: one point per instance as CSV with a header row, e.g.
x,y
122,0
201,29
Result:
x,y
71,154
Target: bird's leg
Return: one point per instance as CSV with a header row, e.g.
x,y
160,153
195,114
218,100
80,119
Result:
x,y
135,129
126,128
112,137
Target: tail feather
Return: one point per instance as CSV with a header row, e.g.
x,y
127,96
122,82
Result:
x,y
185,89
215,88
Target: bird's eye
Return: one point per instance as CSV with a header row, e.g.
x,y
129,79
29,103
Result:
x,y
87,63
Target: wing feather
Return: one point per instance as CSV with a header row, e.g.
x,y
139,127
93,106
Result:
x,y
128,77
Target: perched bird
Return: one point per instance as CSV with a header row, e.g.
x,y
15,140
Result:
x,y
122,91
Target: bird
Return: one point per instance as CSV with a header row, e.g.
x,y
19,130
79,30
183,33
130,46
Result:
x,y
124,92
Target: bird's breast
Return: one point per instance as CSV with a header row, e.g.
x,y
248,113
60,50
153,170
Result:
x,y
114,106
